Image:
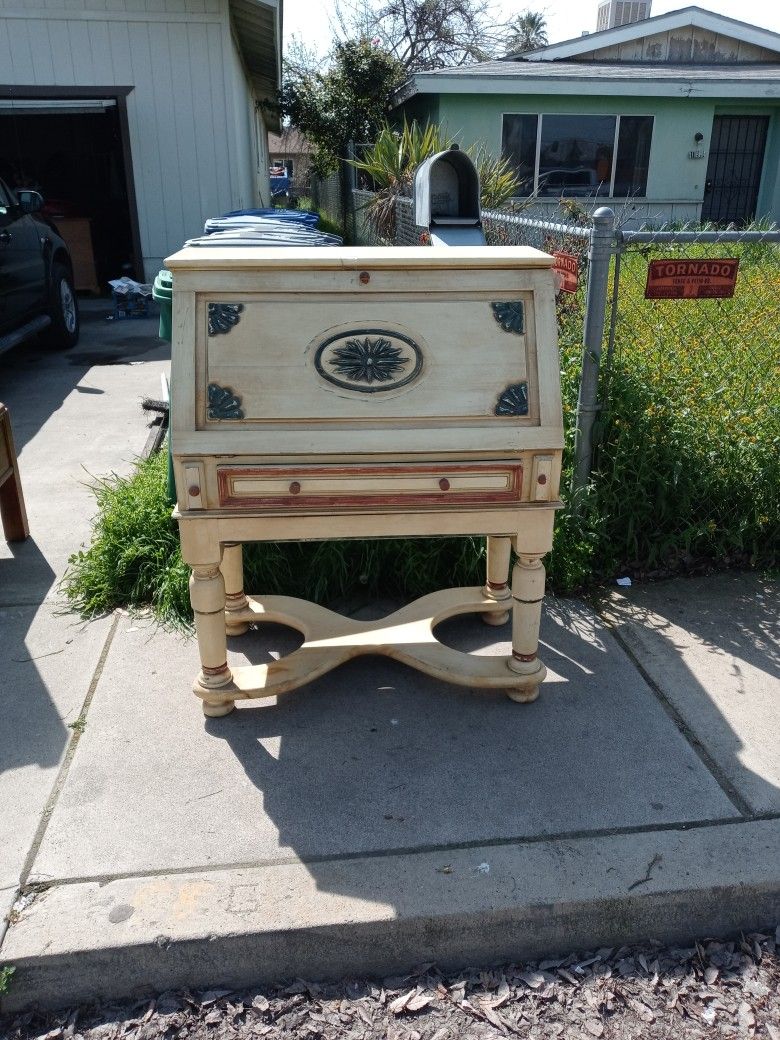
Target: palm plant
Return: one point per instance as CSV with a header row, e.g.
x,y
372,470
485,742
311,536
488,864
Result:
x,y
527,32
395,155
497,178
390,163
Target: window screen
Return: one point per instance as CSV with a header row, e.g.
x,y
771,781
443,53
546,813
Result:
x,y
633,155
519,146
574,155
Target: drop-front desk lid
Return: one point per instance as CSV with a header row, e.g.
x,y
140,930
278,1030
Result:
x,y
397,350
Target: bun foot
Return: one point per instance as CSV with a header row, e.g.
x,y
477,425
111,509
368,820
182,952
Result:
x,y
236,628
491,617
523,696
215,710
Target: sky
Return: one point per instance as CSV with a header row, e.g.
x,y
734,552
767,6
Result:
x,y
566,19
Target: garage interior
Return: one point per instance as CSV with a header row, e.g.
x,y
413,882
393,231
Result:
x,y
72,152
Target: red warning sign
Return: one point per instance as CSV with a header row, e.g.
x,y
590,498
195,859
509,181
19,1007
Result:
x,y
567,271
691,279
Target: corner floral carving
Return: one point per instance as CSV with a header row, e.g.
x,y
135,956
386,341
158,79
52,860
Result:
x,y
513,400
223,403
223,317
510,316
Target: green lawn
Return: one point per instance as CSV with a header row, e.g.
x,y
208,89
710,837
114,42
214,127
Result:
x,y
688,465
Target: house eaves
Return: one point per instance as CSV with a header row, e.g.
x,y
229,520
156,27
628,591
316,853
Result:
x,y
685,17
257,25
758,82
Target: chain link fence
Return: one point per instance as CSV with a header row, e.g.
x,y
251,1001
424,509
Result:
x,y
687,439
671,406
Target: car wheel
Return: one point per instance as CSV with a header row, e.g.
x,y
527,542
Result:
x,y
63,310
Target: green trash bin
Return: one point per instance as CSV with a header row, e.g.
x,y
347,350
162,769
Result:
x,y
162,291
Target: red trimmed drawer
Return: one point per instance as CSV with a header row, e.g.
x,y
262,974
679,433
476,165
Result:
x,y
403,486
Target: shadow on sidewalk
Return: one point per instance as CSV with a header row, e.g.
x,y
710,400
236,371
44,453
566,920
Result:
x,y
32,730
379,759
37,380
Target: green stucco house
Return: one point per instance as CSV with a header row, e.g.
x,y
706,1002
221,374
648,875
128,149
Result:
x,y
671,118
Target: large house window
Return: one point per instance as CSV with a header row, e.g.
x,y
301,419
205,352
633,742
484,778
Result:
x,y
576,155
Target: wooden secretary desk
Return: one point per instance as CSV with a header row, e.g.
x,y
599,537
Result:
x,y
361,393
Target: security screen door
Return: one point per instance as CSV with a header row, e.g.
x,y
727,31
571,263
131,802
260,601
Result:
x,y
734,168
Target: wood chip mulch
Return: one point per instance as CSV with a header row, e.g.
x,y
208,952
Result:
x,y
712,989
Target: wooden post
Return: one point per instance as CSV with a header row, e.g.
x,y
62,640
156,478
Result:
x,y
12,510
499,551
207,595
232,568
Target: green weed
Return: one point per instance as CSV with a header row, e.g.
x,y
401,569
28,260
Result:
x,y
5,977
325,222
79,724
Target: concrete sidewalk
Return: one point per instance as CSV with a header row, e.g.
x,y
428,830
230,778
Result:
x,y
376,819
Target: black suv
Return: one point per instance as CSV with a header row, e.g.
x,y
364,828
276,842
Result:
x,y
36,275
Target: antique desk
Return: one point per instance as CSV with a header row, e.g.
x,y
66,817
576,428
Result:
x,y
362,393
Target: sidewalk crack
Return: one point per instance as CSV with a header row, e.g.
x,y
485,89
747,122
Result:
x,y
62,773
741,804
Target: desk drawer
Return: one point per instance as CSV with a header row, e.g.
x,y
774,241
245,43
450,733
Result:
x,y
330,488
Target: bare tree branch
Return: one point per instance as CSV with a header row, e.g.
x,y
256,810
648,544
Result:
x,y
425,34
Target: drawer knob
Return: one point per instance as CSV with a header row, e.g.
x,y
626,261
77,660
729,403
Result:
x,y
444,484
295,488
365,277
542,478
193,490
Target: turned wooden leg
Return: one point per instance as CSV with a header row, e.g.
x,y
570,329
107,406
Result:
x,y
207,595
232,568
12,511
499,551
528,594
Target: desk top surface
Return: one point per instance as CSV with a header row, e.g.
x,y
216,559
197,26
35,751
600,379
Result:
x,y
216,258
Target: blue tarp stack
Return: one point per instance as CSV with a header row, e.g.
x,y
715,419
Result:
x,y
265,227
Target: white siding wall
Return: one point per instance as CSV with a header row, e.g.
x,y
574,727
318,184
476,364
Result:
x,y
244,129
262,181
189,113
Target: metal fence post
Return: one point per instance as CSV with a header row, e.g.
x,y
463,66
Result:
x,y
599,255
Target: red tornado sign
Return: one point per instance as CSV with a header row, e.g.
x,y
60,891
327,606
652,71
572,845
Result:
x,y
567,271
691,279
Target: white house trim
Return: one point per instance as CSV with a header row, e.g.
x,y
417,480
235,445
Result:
x,y
624,85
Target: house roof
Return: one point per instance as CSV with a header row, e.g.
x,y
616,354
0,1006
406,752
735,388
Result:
x,y
686,16
289,142
589,65
257,25
597,78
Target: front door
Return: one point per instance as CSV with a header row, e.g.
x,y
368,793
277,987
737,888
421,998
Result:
x,y
734,169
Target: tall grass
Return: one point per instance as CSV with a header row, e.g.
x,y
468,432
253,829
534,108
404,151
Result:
x,y
688,465
133,559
